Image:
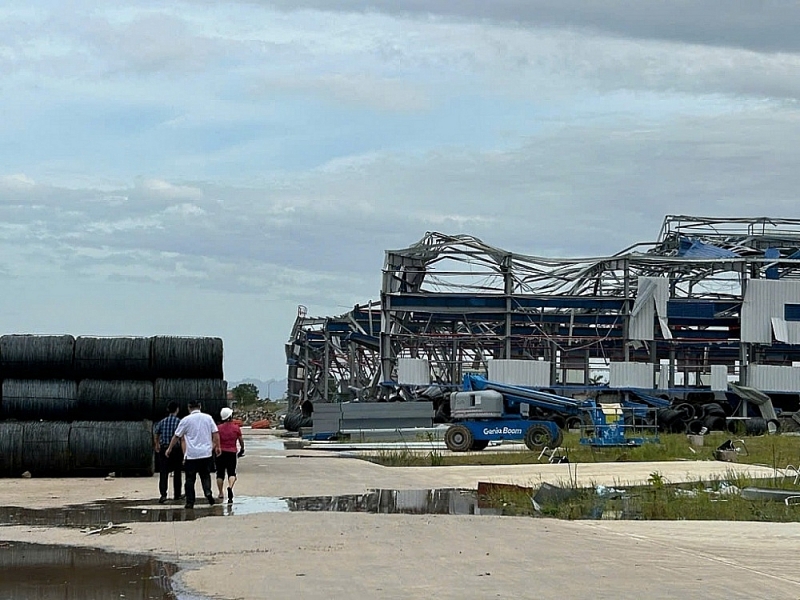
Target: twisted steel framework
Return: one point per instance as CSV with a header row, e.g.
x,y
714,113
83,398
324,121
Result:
x,y
458,302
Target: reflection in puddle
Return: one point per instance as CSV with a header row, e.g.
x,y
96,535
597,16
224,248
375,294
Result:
x,y
30,571
414,502
437,501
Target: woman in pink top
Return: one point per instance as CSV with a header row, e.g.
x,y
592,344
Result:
x,y
229,434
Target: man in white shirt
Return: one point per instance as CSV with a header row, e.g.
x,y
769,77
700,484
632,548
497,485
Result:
x,y
200,433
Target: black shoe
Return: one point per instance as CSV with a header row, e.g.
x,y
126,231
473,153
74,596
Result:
x,y
162,499
179,498
230,496
189,505
210,499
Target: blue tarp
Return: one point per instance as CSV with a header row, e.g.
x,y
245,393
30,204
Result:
x,y
772,272
693,248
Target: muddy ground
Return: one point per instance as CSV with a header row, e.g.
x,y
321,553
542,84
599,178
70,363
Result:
x,y
352,555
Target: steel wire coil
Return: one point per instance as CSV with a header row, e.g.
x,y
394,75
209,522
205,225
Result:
x,y
187,357
32,399
101,400
11,440
45,448
695,426
712,409
111,446
119,358
212,394
714,423
37,356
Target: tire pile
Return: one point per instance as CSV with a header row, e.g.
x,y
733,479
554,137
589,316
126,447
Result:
x,y
701,418
86,405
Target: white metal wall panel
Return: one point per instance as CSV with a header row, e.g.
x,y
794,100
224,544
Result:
x,y
630,374
764,300
575,376
651,300
663,377
719,378
773,378
413,371
640,322
520,372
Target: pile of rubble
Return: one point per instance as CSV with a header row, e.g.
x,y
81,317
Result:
x,y
248,417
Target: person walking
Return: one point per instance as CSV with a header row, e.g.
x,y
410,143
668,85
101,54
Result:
x,y
229,434
201,436
162,434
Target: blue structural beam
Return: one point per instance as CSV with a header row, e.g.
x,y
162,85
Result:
x,y
370,341
493,303
338,326
704,310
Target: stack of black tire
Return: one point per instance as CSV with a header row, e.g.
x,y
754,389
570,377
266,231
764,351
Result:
x,y
710,416
86,405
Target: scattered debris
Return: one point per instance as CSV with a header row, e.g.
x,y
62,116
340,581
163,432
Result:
x,y
27,475
609,493
695,440
774,495
790,471
258,418
552,494
554,455
110,528
729,450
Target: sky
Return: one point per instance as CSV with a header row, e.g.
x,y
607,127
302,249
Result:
x,y
203,168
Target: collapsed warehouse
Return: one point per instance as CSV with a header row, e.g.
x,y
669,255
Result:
x,y
712,302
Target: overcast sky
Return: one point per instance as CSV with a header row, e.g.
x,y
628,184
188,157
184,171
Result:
x,y
202,168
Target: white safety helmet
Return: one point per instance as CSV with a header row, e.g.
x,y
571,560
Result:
x,y
225,414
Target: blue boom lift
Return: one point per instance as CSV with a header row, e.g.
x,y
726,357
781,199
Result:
x,y
488,411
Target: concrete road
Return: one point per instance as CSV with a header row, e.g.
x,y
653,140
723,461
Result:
x,y
341,555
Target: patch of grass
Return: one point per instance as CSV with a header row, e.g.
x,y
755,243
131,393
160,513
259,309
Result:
x,y
398,458
773,451
699,500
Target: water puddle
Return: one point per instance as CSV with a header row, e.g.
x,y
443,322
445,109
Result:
x,y
444,501
33,571
98,515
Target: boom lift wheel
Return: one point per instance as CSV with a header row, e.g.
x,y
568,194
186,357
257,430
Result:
x,y
458,438
539,436
558,439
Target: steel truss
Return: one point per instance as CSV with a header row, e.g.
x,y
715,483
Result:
x,y
459,302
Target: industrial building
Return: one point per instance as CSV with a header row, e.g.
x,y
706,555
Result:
x,y
710,301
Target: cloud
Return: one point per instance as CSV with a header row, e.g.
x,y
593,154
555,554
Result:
x,y
165,189
359,91
572,191
766,26
273,151
16,181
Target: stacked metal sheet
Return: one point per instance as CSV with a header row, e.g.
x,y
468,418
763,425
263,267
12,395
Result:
x,y
357,416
